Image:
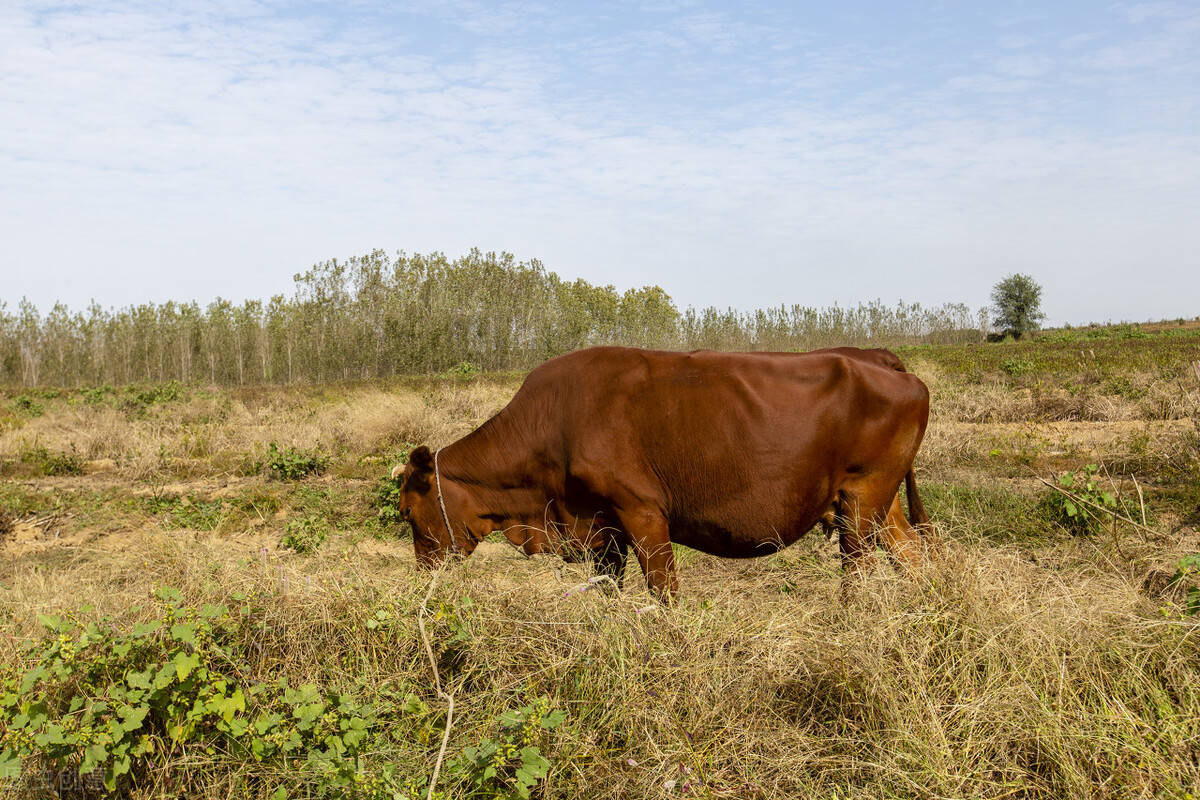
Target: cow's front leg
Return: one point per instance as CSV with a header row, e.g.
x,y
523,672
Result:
x,y
651,540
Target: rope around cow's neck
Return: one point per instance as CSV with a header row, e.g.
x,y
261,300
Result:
x,y
437,477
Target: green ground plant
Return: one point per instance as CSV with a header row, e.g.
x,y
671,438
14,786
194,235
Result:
x,y
304,535
291,464
49,462
1187,580
28,405
1082,502
96,698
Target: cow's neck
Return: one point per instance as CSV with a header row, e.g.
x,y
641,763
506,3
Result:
x,y
496,467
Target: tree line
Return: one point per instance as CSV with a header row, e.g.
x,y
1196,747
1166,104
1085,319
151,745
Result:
x,y
382,315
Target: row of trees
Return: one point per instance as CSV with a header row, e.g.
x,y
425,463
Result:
x,y
379,315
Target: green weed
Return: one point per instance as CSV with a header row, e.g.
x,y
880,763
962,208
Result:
x,y
305,535
1083,504
53,463
27,404
98,699
290,464
1187,579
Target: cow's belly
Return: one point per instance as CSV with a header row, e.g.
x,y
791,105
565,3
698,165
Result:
x,y
739,540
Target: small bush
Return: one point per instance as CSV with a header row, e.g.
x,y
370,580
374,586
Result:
x,y
1187,579
116,704
1083,504
1014,367
386,499
139,398
290,464
511,765
97,395
305,535
27,404
463,370
51,463
200,515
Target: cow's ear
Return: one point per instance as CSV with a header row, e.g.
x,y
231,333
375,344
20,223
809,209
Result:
x,y
421,460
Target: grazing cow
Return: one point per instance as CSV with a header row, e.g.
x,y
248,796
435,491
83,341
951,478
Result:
x,y
734,454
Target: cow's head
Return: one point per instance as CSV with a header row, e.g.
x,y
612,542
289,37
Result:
x,y
419,507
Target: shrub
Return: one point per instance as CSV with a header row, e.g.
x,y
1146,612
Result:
x,y
139,398
1083,503
290,464
51,463
200,515
305,535
28,405
96,395
386,499
1187,579
1014,367
511,765
463,370
116,703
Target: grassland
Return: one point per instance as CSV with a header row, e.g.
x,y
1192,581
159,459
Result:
x,y
1041,656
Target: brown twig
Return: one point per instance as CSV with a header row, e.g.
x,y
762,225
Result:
x,y
437,685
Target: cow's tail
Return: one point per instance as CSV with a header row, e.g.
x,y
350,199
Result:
x,y
916,510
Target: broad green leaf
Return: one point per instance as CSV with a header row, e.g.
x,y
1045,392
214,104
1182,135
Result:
x,y
10,765
184,633
185,663
144,629
132,718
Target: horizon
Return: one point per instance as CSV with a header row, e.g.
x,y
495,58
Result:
x,y
295,292
738,157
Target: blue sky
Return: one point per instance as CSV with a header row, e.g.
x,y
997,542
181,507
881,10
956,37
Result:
x,y
742,154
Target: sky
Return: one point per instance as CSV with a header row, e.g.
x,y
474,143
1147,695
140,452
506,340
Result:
x,y
743,154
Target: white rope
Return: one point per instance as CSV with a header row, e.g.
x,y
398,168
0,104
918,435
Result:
x,y
437,477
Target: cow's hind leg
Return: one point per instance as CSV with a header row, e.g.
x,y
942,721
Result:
x,y
900,539
870,512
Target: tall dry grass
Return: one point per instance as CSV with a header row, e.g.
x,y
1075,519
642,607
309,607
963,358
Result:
x,y
988,676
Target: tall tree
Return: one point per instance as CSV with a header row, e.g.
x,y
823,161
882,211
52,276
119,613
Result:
x,y
1017,303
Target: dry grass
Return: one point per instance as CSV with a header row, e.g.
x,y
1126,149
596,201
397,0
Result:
x,y
988,676
213,432
1047,667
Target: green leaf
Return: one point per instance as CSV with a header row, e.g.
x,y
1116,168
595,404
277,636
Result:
x,y
94,756
169,594
31,678
50,622
115,770
138,680
132,718
414,705
185,663
144,629
10,765
184,633
52,735
553,719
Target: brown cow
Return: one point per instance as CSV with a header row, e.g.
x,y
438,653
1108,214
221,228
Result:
x,y
734,454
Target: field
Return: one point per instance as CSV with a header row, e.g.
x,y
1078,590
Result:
x,y
202,594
